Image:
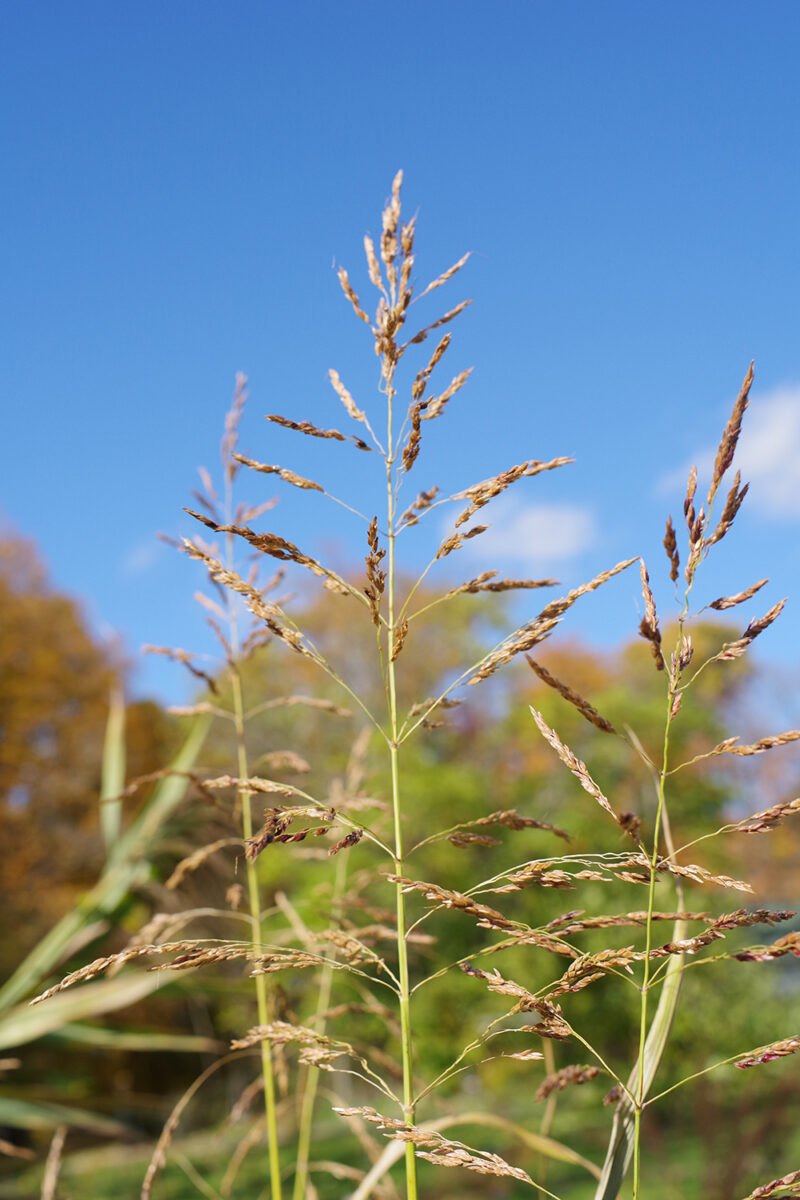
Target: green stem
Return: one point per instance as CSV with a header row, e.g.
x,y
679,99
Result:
x,y
402,947
254,898
660,813
312,1075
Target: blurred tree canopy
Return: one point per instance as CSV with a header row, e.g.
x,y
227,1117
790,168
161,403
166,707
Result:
x,y
55,682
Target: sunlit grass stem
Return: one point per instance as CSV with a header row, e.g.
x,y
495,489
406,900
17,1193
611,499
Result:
x,y
253,892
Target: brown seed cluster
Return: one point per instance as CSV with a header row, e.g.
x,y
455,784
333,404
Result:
x,y
552,1023
437,1149
788,944
731,650
648,628
376,577
638,867
454,540
535,631
575,765
480,494
314,430
423,502
450,899
271,614
189,954
399,638
770,1053
486,582
284,473
771,1189
276,825
575,922
349,403
768,818
671,547
583,706
590,967
730,437
723,602
563,1078
729,746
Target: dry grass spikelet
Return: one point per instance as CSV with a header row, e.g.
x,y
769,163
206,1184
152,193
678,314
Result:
x,y
583,706
563,1078
770,1190
723,602
730,437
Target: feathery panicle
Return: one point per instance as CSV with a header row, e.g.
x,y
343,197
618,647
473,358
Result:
x,y
398,640
742,918
351,296
315,431
434,406
376,577
732,650
730,437
100,965
421,381
583,706
588,968
729,746
770,1053
445,320
347,400
570,760
671,547
280,548
446,275
509,818
535,631
732,505
480,494
372,265
436,1148
639,867
455,540
283,472
723,602
648,628
769,1191
788,944
481,583
688,503
423,501
563,1078
768,818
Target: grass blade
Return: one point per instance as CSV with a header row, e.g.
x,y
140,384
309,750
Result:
x,y
113,770
620,1147
123,871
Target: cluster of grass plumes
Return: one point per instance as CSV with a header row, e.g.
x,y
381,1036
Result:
x,y
373,930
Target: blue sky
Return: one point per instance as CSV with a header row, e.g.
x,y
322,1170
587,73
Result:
x,y
183,178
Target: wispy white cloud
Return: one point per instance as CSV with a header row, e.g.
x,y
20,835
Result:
x,y
141,558
532,535
768,455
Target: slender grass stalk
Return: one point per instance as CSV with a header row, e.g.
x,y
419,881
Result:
x,y
311,1086
253,892
402,946
648,947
